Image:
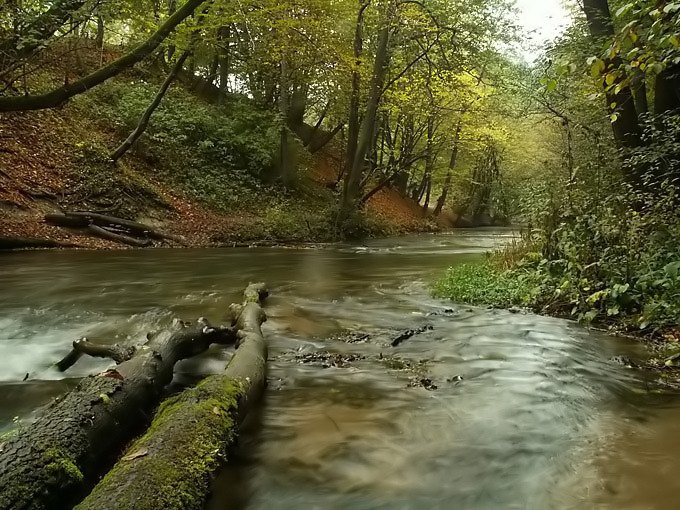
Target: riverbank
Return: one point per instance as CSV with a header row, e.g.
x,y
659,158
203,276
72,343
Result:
x,y
502,282
205,174
42,172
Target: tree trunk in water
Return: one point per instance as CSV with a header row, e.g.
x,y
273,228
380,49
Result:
x,y
23,243
83,346
144,120
626,125
62,94
353,178
50,463
171,465
103,233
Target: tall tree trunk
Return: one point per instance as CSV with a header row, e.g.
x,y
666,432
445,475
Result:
x,y
214,67
667,91
284,105
626,125
428,194
640,92
405,154
172,7
298,104
310,139
420,190
429,163
99,38
225,60
144,121
355,99
441,202
353,178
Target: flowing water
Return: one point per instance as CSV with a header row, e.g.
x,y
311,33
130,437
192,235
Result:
x,y
528,412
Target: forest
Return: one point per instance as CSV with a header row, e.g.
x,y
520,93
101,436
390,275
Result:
x,y
158,157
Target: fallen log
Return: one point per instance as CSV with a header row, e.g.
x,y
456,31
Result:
x,y
85,219
132,226
171,466
82,223
62,220
22,243
119,238
51,463
83,346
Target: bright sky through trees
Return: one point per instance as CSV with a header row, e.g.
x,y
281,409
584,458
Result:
x,y
542,20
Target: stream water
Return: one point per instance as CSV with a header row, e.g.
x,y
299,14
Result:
x,y
528,412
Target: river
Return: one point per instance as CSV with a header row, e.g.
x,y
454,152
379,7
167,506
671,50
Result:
x,y
528,412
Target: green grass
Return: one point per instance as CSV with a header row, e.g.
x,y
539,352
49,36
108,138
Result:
x,y
482,284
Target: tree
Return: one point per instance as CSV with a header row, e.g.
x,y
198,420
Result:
x,y
60,95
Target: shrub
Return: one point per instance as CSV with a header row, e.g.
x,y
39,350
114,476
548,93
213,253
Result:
x,y
483,284
218,154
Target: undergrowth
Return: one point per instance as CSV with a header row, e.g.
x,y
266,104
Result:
x,y
616,265
221,156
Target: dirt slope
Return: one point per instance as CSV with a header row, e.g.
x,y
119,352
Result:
x,y
42,171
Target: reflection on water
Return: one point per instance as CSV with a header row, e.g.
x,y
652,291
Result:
x,y
529,412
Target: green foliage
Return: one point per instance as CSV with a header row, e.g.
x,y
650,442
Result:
x,y
614,262
291,221
483,284
220,155
360,225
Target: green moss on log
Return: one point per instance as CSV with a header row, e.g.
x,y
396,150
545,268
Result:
x,y
200,424
60,466
6,436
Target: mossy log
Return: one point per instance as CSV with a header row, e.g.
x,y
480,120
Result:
x,y
51,463
171,466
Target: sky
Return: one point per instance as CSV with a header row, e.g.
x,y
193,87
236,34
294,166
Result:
x,y
543,20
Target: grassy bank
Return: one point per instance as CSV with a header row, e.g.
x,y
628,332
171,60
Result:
x,y
646,306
